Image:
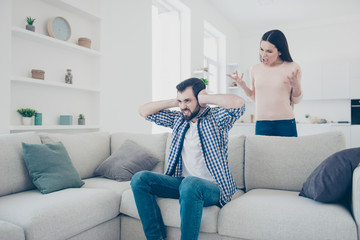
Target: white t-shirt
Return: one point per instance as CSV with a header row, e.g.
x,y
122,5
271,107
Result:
x,y
193,159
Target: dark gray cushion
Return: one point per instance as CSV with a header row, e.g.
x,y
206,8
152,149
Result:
x,y
129,159
332,179
50,167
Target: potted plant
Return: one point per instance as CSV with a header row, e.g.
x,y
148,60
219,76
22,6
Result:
x,y
206,82
81,119
27,114
30,21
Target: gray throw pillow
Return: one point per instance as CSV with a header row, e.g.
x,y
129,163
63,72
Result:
x,y
331,180
129,159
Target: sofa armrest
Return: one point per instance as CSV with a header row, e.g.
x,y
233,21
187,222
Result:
x,y
356,196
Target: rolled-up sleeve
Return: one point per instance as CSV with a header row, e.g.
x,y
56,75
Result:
x,y
227,117
165,118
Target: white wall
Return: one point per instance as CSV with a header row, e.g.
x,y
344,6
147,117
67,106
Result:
x,y
126,54
330,41
5,64
126,57
202,10
126,64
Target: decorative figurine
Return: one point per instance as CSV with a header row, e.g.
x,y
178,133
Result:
x,y
68,76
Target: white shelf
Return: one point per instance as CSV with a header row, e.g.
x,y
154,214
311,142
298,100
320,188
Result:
x,y
52,127
36,37
74,9
87,61
26,80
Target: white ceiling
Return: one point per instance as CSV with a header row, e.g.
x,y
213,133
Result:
x,y
248,15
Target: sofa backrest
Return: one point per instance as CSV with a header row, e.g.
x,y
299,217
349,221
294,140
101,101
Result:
x,y
286,162
86,150
155,143
14,176
235,158
236,151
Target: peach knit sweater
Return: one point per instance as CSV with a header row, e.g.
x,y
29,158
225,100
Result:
x,y
272,91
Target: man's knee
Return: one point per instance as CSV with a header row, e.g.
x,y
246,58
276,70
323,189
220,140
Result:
x,y
139,179
190,187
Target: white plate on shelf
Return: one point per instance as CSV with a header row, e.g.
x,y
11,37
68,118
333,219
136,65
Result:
x,y
59,28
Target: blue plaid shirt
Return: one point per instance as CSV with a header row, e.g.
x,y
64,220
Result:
x,y
213,127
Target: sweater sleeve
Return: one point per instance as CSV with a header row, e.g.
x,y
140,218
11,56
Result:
x,y
297,99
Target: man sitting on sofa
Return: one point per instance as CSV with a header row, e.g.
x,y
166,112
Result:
x,y
198,173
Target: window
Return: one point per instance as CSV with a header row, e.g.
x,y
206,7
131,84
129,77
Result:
x,y
170,49
211,61
214,59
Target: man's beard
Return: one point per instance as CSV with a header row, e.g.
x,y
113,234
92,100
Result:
x,y
193,114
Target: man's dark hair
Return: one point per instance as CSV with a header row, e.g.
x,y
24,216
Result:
x,y
196,84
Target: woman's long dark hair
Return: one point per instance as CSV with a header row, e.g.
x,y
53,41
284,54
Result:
x,y
278,39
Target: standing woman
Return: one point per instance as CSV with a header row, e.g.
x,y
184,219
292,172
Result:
x,y
275,87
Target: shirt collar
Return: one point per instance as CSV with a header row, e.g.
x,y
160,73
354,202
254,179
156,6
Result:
x,y
203,114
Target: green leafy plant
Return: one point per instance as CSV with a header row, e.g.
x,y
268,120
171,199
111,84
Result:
x,y
307,115
26,112
206,82
30,20
81,116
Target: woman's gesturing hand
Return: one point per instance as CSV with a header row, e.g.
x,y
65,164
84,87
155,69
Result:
x,y
239,80
294,78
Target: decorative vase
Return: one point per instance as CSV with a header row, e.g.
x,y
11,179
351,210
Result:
x,y
38,119
30,28
81,121
85,42
66,119
68,76
27,121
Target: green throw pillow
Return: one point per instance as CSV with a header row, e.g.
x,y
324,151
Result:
x,y
50,167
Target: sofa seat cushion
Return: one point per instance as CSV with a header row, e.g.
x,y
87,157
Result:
x,y
11,231
275,214
61,214
104,183
170,210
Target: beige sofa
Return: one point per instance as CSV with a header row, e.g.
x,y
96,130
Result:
x,y
271,169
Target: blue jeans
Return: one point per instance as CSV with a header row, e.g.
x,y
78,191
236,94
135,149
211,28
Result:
x,y
193,193
282,128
